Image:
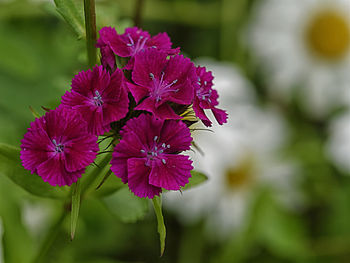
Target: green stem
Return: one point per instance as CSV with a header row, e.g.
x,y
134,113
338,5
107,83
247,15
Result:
x,y
138,12
90,28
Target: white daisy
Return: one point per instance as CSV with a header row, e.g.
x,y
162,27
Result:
x,y
304,47
338,146
240,157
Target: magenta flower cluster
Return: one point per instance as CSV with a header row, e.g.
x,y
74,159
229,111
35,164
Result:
x,y
142,103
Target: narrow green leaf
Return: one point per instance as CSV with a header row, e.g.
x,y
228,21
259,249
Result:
x,y
109,186
157,205
18,245
126,206
71,14
75,208
34,112
10,165
196,179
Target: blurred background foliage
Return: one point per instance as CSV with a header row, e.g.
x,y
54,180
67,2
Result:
x,y
40,53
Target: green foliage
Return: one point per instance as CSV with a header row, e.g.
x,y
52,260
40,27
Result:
x,y
10,166
18,246
111,184
157,205
126,206
76,189
196,179
279,230
72,16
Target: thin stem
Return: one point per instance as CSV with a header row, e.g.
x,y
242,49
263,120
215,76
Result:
x,y
138,13
90,28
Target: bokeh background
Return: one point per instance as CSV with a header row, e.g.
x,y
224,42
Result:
x,y
279,185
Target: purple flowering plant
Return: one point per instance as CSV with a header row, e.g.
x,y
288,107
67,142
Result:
x,y
131,119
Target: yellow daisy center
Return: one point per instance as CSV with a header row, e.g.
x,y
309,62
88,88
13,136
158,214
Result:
x,y
328,34
241,175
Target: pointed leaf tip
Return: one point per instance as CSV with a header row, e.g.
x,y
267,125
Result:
x,y
157,205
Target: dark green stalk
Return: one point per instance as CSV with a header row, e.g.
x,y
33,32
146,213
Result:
x,y
90,28
138,12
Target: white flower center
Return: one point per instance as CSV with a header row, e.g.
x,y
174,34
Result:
x,y
59,148
98,99
155,152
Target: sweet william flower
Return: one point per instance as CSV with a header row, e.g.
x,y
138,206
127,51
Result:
x,y
207,98
58,147
160,80
99,96
107,54
133,41
147,157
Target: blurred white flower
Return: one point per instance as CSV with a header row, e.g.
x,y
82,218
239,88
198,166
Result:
x,y
304,47
242,156
338,146
36,216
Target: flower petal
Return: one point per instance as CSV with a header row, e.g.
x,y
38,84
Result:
x,y
53,171
138,92
200,113
73,98
146,62
137,127
177,135
138,177
164,111
220,115
129,147
171,174
181,69
80,152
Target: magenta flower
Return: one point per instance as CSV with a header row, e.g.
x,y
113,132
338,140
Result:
x,y
107,54
133,41
207,98
58,147
161,80
99,96
147,157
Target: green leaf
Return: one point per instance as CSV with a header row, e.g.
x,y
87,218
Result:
x,y
10,165
34,112
18,246
75,208
126,206
280,230
109,186
73,17
157,205
196,179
